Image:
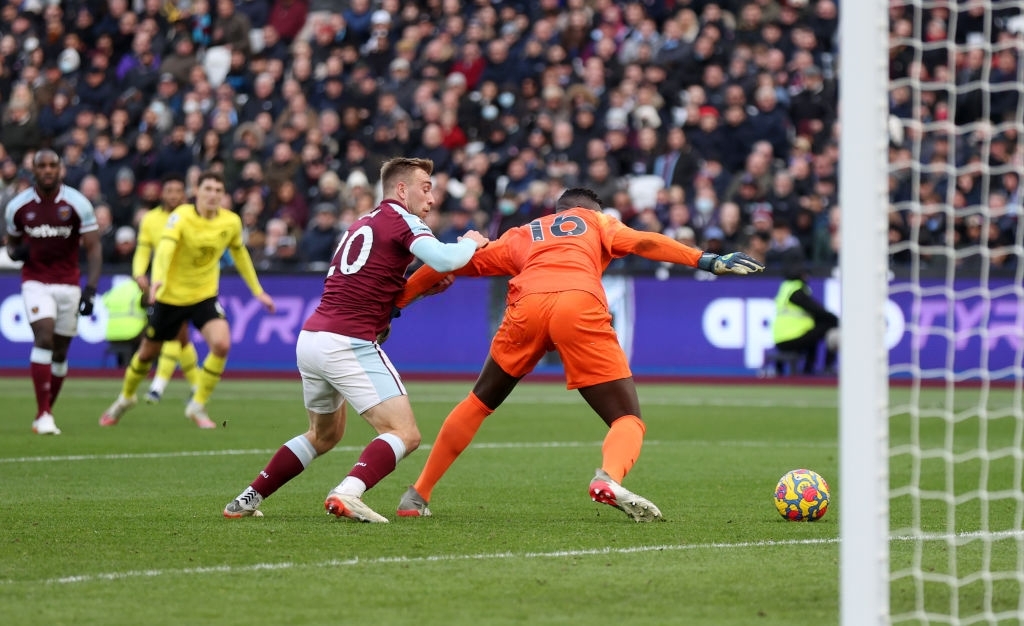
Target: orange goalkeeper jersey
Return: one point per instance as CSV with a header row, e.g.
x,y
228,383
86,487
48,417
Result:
x,y
565,251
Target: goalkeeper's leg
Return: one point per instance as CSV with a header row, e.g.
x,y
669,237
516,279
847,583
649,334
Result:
x,y
458,430
491,388
617,404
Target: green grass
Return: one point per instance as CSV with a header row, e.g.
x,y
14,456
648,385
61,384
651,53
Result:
x,y
123,525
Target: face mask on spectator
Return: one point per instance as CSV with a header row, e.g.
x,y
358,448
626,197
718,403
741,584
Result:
x,y
705,205
507,207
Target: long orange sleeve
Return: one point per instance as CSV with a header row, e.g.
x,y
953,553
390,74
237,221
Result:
x,y
654,246
420,281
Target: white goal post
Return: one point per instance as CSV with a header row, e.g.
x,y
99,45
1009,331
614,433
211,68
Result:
x,y
931,482
863,489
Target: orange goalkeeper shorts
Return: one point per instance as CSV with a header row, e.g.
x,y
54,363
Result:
x,y
575,323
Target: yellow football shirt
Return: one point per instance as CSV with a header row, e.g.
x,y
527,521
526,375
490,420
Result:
x,y
187,259
151,229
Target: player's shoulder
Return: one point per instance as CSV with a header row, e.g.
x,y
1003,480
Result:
x,y
20,200
230,216
74,196
151,217
399,218
181,214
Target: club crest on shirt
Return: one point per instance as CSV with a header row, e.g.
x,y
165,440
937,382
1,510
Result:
x,y
64,212
31,215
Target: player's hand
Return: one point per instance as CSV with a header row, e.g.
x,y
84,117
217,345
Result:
x,y
18,252
383,335
732,263
153,289
474,236
143,282
88,301
441,285
268,302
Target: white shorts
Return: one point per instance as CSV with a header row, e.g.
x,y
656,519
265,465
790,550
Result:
x,y
336,368
50,301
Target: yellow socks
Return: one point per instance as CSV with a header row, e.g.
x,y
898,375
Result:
x,y
209,376
134,374
188,360
168,360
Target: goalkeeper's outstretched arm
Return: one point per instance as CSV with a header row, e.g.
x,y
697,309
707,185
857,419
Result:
x,y
658,247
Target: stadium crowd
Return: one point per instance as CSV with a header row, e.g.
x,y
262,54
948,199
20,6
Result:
x,y
714,122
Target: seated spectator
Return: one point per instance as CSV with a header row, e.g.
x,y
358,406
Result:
x,y
729,226
280,248
784,249
58,117
124,247
320,239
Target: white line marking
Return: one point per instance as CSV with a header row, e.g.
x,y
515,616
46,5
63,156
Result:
x,y
440,558
475,446
437,558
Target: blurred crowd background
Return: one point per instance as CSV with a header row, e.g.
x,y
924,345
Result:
x,y
712,122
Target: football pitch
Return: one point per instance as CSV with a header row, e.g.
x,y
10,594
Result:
x,y
123,525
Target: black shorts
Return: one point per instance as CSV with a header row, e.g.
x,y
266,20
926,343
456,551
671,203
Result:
x,y
165,320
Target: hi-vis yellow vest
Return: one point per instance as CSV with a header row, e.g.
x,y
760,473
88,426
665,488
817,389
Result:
x,y
125,316
791,322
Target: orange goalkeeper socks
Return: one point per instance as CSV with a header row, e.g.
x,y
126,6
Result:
x,y
621,446
457,431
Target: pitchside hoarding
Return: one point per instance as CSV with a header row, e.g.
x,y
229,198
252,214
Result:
x,y
682,326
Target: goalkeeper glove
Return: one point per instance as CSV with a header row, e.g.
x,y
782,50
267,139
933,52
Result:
x,y
85,305
732,263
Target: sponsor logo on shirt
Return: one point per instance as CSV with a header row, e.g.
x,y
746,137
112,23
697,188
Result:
x,y
48,231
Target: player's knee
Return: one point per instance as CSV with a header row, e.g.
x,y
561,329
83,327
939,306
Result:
x,y
411,438
220,347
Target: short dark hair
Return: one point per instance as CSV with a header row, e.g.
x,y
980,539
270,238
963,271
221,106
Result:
x,y
172,177
578,197
209,175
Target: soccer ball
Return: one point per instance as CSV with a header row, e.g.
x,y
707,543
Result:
x,y
802,496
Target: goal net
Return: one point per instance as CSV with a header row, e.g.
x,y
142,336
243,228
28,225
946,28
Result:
x,y
949,542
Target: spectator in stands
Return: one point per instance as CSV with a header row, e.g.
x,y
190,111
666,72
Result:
x,y
290,206
123,201
230,28
19,130
124,247
287,18
106,230
723,79
175,157
321,238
